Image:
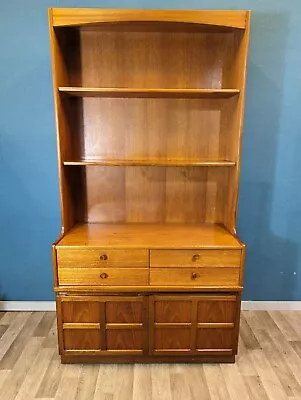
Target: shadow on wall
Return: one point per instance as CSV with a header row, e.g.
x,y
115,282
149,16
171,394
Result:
x,y
271,261
2,296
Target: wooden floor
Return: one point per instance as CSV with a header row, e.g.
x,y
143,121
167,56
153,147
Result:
x,y
268,365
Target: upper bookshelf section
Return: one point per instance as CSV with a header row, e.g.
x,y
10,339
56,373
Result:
x,y
150,53
137,91
192,20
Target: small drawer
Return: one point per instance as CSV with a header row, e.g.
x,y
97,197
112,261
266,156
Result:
x,y
204,276
103,276
101,257
195,258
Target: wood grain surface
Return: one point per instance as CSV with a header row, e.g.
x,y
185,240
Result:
x,y
150,236
82,16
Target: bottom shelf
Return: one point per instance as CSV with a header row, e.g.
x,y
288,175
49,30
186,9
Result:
x,y
150,236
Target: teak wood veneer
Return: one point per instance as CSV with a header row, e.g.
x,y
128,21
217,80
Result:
x,y
149,113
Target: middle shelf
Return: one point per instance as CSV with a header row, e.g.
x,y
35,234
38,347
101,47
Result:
x,y
168,162
148,92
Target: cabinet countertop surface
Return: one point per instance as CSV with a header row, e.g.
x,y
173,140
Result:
x,y
150,236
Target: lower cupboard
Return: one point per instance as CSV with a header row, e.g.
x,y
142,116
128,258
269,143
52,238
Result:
x,y
148,327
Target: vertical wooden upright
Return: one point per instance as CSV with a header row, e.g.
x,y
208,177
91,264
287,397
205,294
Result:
x,y
149,116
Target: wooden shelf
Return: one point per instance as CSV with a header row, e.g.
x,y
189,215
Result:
x,y
148,93
154,162
150,236
197,18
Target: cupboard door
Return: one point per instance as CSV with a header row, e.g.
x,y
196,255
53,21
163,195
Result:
x,y
104,324
192,324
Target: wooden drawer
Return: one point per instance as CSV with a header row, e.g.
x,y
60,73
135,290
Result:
x,y
195,258
103,276
102,257
225,276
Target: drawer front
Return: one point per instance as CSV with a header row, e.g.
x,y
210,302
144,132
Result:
x,y
195,258
195,276
103,276
100,257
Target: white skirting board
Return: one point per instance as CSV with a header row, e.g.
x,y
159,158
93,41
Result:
x,y
50,305
271,305
27,305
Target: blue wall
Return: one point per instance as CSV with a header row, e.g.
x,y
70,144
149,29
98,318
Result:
x,y
270,196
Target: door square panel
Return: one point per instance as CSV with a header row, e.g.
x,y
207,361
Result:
x,y
172,339
124,312
124,339
214,339
172,311
82,339
216,311
81,311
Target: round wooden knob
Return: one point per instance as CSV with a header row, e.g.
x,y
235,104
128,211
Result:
x,y
194,275
195,257
104,275
103,257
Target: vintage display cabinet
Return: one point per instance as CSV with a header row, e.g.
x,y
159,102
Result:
x,y
149,113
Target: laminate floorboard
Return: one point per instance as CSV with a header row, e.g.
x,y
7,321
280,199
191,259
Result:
x,y
268,366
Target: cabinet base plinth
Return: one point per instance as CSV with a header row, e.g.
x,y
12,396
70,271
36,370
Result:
x,y
70,359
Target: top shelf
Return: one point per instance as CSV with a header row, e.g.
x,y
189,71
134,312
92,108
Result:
x,y
196,19
149,93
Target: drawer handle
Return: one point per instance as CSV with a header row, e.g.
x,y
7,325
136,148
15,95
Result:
x,y
104,275
103,257
195,257
195,275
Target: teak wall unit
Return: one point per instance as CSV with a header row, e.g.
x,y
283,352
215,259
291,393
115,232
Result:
x,y
149,114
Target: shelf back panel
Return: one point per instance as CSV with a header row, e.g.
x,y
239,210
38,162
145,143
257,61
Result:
x,y
150,128
147,59
150,194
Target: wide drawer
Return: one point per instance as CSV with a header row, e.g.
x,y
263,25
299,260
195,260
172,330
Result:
x,y
103,276
205,276
101,257
195,258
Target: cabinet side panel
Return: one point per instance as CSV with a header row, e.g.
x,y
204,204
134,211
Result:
x,y
60,77
232,120
59,324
